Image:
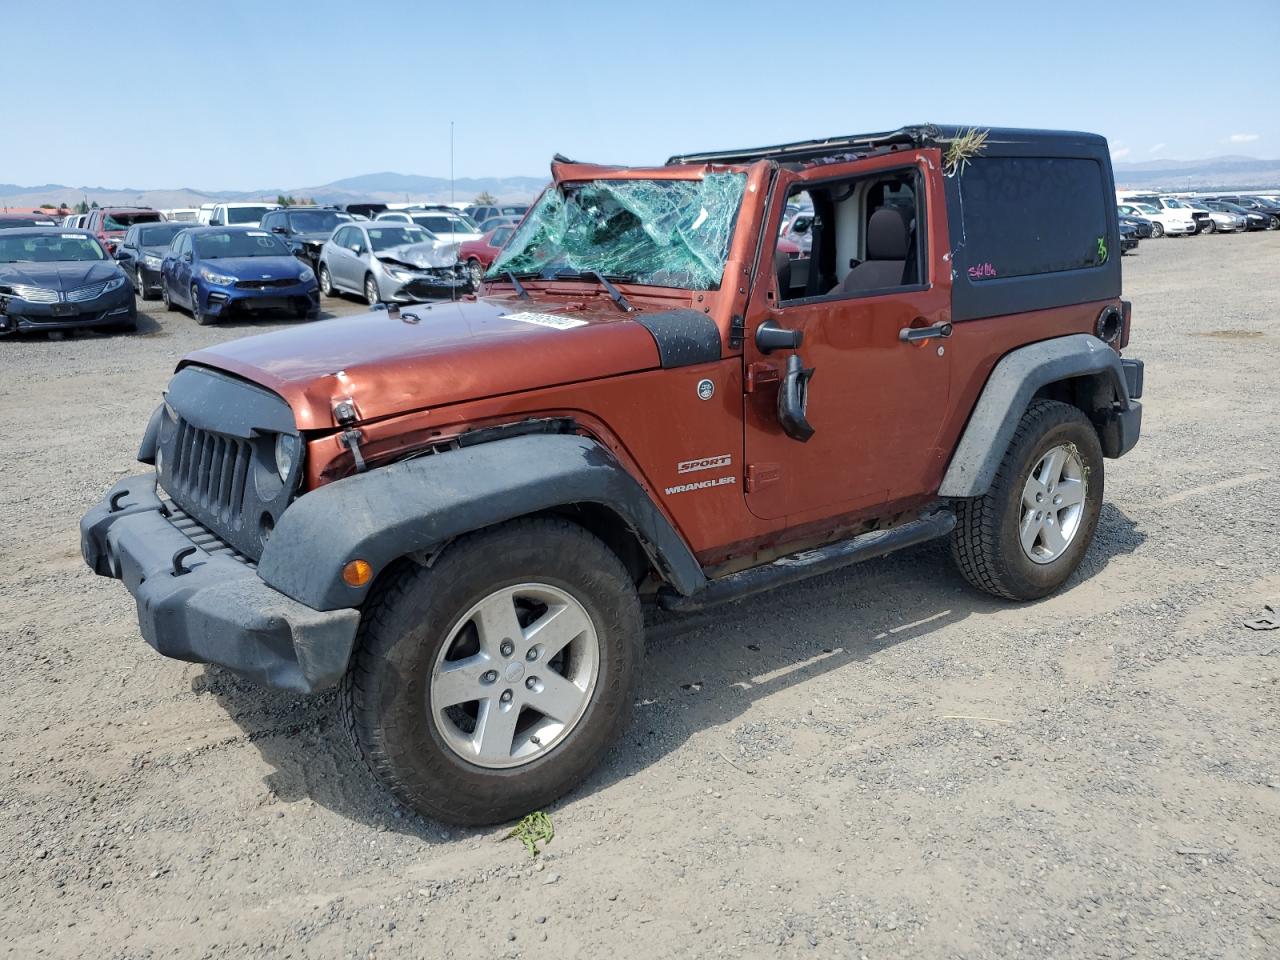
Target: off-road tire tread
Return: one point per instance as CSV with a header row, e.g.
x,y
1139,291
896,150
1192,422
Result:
x,y
975,542
358,712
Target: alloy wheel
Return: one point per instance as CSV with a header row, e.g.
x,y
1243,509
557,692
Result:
x,y
1157,231
515,676
477,271
370,290
1053,504
326,282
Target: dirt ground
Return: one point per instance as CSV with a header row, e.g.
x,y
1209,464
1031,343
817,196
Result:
x,y
878,763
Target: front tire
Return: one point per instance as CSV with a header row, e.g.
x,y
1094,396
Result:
x,y
493,682
1157,230
371,290
326,281
164,295
477,272
197,314
1029,532
1210,227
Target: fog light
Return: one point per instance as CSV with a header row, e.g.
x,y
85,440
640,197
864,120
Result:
x,y
357,573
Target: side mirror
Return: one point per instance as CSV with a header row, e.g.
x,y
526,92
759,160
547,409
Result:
x,y
120,254
771,337
356,249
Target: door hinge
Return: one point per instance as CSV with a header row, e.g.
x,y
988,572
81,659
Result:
x,y
759,374
761,475
737,331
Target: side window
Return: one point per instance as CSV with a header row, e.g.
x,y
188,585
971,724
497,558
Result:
x,y
1032,215
269,221
858,236
357,240
343,237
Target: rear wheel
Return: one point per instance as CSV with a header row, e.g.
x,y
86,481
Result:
x,y
490,684
1029,532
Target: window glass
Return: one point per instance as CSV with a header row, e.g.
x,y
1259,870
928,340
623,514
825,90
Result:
x,y
239,243
500,236
1032,215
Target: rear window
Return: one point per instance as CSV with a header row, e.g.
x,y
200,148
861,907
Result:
x,y
1032,215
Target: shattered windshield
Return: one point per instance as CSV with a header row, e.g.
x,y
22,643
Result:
x,y
667,233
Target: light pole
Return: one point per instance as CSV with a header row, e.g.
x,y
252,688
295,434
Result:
x,y
451,163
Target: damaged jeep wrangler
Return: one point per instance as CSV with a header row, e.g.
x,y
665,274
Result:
x,y
453,511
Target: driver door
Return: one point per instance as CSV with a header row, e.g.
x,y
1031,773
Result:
x,y
876,400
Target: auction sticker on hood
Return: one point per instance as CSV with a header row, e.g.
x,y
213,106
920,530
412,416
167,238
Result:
x,y
546,320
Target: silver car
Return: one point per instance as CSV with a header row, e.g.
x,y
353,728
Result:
x,y
390,262
1222,219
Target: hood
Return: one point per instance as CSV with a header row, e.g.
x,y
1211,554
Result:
x,y
65,275
283,267
422,255
318,237
458,351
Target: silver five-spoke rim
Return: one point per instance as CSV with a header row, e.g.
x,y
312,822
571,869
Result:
x,y
1053,504
515,675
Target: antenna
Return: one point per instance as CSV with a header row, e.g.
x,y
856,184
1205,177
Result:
x,y
451,163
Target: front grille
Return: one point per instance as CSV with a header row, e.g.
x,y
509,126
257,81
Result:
x,y
199,534
264,284
210,470
34,294
90,292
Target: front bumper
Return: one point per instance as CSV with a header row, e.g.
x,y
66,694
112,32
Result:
x,y
217,300
116,307
218,610
149,278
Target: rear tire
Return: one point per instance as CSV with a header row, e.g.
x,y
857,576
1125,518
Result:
x,y
996,544
420,624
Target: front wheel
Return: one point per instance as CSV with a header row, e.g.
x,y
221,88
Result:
x,y
164,294
1029,532
1157,231
1273,223
1210,227
370,290
476,271
493,682
326,281
199,315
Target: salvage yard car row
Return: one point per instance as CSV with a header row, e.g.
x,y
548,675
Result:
x,y
245,257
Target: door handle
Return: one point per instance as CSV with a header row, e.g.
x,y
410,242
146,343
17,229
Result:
x,y
918,334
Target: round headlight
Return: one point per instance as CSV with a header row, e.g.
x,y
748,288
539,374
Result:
x,y
287,447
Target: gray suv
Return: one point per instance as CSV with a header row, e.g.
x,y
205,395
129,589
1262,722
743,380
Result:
x,y
390,262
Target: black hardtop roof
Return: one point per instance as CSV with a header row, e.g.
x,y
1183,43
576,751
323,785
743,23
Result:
x,y
919,135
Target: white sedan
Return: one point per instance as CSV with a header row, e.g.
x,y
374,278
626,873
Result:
x,y
1172,223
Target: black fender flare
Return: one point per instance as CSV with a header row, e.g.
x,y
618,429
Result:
x,y
1013,383
418,505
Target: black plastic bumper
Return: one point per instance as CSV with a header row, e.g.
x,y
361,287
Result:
x,y
217,610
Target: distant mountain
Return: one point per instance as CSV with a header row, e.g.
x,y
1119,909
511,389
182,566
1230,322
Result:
x,y
1223,173
1228,172
386,187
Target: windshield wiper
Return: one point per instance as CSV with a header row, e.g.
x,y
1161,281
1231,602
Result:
x,y
614,293
521,292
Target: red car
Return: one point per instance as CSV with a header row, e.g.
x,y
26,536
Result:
x,y
110,223
478,254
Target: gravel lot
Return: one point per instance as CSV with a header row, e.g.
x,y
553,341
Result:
x,y
879,763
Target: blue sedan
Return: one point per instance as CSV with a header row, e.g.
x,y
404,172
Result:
x,y
220,271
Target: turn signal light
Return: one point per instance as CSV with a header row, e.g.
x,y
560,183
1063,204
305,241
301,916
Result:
x,y
357,573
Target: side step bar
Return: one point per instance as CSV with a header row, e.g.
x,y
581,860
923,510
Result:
x,y
811,563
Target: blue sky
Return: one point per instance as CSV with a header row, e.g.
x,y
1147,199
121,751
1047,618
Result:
x,y
247,94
